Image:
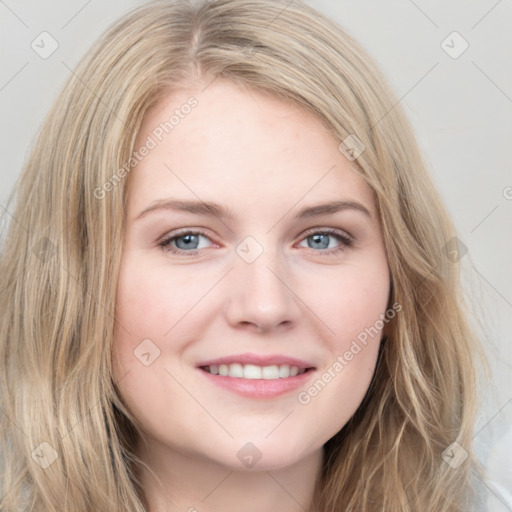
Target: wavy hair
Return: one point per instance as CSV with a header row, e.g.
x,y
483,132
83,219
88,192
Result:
x,y
67,439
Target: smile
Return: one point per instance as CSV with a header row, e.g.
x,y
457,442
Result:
x,y
258,376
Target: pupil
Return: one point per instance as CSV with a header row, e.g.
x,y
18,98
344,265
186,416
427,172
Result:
x,y
318,238
187,240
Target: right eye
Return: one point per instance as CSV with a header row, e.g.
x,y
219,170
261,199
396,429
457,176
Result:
x,y
184,242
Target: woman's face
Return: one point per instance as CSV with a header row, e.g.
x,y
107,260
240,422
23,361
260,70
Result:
x,y
251,248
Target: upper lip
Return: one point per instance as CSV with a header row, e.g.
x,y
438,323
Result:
x,y
258,360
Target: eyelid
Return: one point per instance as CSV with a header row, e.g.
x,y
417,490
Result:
x,y
329,231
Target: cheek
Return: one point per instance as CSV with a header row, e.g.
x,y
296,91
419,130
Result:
x,y
156,303
355,309
152,299
351,301
145,307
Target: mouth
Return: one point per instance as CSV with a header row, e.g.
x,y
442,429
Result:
x,y
255,376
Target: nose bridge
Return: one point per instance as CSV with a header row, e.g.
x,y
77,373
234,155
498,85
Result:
x,y
258,266
260,294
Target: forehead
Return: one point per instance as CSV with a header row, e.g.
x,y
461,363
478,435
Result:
x,y
239,146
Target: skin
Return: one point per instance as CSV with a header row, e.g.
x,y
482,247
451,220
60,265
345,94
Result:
x,y
265,159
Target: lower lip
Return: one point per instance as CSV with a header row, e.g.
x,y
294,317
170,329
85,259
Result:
x,y
259,388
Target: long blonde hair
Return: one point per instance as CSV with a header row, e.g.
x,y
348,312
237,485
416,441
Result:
x,y
67,440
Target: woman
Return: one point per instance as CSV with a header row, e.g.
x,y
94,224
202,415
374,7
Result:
x,y
311,352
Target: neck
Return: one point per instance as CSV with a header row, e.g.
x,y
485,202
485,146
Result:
x,y
182,482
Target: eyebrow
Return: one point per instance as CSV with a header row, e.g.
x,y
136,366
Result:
x,y
330,208
216,210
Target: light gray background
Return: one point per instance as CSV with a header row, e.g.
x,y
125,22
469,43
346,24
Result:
x,y
460,108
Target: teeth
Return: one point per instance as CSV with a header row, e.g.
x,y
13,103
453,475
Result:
x,y
270,372
284,371
251,371
235,370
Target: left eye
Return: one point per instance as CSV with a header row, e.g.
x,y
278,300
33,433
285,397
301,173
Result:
x,y
322,240
184,242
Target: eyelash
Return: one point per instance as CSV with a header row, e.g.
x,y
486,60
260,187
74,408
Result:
x,y
345,241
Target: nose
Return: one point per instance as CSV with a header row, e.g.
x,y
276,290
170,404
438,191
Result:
x,y
260,294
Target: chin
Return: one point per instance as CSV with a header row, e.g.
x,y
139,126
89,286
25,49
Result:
x,y
260,454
